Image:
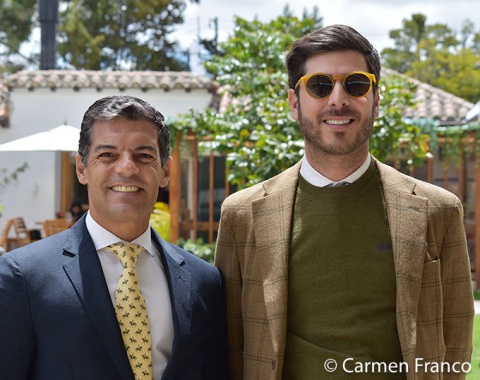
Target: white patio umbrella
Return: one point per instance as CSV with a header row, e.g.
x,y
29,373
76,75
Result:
x,y
63,138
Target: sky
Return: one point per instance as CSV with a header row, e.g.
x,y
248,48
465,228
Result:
x,y
372,18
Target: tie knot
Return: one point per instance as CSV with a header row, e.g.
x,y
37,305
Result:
x,y
127,253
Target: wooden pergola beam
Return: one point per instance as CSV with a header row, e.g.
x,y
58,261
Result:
x,y
174,191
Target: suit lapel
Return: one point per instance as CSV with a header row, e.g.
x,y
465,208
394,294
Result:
x,y
85,273
180,284
272,216
407,218
180,289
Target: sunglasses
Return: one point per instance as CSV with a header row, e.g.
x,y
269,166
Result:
x,y
320,85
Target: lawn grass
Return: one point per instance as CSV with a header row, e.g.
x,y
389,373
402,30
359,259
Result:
x,y
475,372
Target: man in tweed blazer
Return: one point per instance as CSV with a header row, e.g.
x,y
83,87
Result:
x,y
431,304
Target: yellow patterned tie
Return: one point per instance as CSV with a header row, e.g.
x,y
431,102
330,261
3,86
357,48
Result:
x,y
131,312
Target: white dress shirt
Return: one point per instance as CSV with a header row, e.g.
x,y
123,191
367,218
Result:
x,y
152,281
316,179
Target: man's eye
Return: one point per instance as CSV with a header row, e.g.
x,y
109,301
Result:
x,y
145,156
105,155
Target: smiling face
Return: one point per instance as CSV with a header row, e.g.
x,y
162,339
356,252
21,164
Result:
x,y
339,124
123,175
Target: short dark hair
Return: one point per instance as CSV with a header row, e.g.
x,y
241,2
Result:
x,y
118,107
330,38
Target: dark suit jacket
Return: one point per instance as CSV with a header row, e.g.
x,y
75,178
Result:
x,y
57,320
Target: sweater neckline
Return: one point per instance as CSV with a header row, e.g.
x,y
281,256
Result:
x,y
353,188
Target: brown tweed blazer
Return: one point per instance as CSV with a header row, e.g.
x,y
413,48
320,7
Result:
x,y
434,291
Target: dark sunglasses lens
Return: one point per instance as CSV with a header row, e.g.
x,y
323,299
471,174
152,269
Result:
x,y
357,84
320,86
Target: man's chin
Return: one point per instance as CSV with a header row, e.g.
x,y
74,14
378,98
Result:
x,y
129,212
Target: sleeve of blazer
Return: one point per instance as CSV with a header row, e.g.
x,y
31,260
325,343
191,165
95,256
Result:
x,y
228,261
17,338
457,290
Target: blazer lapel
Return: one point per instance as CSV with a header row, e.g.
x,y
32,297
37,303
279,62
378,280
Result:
x,y
407,218
180,284
85,273
272,216
180,288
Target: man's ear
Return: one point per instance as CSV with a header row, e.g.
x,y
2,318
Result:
x,y
293,102
377,104
80,170
166,172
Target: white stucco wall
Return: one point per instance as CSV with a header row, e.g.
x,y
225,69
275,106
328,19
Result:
x,y
36,196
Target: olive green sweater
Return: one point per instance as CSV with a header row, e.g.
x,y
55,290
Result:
x,y
341,294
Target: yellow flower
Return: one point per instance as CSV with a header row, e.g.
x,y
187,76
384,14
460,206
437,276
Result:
x,y
160,220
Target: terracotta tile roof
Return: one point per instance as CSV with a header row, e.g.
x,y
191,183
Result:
x,y
434,103
144,80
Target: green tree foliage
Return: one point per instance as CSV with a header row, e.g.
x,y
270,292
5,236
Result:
x,y
126,34
15,27
436,55
395,137
406,41
211,45
205,251
98,34
256,129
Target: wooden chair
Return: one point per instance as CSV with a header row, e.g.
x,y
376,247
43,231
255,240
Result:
x,y
4,238
22,235
54,226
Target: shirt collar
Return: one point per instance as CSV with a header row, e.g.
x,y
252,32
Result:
x,y
316,179
103,238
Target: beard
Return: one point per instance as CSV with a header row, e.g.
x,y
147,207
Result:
x,y
337,146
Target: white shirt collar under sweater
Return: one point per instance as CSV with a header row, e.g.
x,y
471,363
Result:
x,y
316,179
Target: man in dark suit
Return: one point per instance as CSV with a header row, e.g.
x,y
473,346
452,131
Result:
x,y
58,296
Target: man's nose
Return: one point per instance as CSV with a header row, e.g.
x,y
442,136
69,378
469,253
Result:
x,y
338,98
126,165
